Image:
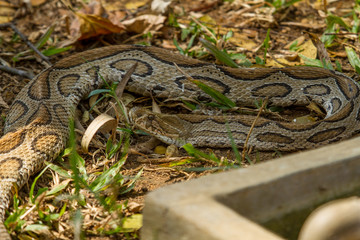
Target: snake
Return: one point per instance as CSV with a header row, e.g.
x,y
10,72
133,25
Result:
x,y
37,125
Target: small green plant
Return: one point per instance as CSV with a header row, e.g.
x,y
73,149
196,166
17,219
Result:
x,y
49,51
14,221
222,164
233,145
210,40
316,62
332,22
110,91
265,46
95,184
220,55
353,59
109,179
294,46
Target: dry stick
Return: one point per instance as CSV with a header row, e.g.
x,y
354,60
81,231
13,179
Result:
x,y
16,71
24,38
252,127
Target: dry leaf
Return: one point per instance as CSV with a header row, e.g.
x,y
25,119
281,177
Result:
x,y
272,63
37,2
135,207
134,5
133,222
172,151
160,6
300,40
92,25
91,22
315,108
7,11
308,49
103,122
144,23
243,41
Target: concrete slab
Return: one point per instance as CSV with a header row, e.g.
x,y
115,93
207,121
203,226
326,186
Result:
x,y
267,201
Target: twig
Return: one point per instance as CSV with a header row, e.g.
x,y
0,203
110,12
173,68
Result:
x,y
252,127
24,38
16,71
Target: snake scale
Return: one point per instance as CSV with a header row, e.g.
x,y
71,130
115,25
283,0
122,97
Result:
x,y
36,128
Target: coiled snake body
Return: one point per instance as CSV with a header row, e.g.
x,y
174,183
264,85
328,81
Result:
x,y
36,127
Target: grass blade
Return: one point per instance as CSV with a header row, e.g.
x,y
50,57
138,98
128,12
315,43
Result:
x,y
220,55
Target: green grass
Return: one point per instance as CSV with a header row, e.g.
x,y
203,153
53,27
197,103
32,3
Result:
x,y
81,185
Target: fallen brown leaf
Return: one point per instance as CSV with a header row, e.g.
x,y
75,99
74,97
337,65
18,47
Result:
x,y
90,25
91,22
144,23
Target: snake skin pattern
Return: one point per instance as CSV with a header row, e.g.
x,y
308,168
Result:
x,y
36,128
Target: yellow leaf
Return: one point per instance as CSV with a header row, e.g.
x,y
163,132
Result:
x,y
37,2
7,11
160,149
241,40
133,222
206,19
133,5
272,63
308,49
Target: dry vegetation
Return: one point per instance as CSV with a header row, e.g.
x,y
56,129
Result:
x,y
69,201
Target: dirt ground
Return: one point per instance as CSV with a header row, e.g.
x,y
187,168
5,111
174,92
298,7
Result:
x,y
134,22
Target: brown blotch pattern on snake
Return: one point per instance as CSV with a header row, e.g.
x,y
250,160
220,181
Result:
x,y
39,88
10,167
326,135
11,141
65,82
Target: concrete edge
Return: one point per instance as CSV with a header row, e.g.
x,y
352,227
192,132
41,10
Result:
x,y
181,208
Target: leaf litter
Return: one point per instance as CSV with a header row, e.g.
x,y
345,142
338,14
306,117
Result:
x,y
96,23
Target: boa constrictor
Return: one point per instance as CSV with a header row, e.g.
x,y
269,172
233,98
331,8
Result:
x,y
36,128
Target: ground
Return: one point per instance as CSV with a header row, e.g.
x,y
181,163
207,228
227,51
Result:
x,y
240,27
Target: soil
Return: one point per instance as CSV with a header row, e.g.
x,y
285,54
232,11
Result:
x,y
249,21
